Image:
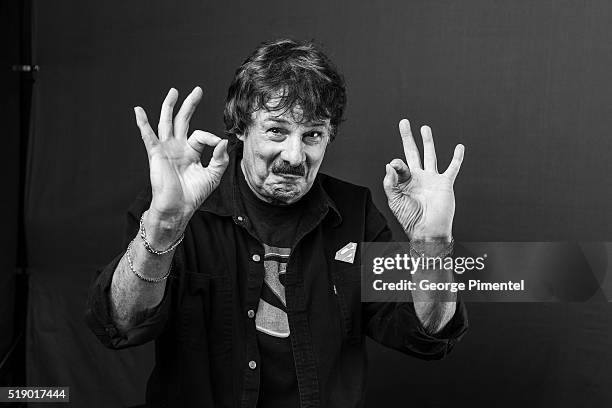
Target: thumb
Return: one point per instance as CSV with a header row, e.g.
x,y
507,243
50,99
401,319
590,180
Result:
x,y
390,181
220,159
402,170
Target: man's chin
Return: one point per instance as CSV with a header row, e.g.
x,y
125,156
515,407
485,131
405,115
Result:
x,y
281,197
284,194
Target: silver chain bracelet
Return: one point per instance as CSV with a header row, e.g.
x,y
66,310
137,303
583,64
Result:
x,y
148,246
128,254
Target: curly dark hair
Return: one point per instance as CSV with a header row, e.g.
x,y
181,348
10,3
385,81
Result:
x,y
297,72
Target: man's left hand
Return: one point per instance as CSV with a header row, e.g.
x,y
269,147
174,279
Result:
x,y
422,199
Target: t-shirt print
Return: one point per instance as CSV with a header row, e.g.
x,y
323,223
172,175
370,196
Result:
x,y
271,317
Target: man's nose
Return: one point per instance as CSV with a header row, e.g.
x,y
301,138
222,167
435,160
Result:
x,y
293,151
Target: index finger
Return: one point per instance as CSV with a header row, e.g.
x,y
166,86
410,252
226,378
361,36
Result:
x,y
413,157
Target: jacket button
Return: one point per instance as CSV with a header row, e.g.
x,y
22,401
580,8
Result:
x,y
251,313
256,258
252,365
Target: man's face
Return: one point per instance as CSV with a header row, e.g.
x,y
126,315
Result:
x,y
281,155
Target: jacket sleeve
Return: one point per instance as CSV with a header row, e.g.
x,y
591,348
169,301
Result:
x,y
98,316
395,324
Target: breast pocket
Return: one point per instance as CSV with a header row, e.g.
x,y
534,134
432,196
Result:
x,y
206,313
347,289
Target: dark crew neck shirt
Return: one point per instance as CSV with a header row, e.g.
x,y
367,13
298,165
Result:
x,y
276,227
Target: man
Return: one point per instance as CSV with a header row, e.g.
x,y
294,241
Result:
x,y
231,267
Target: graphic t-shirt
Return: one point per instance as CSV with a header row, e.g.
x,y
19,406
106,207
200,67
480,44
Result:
x,y
276,227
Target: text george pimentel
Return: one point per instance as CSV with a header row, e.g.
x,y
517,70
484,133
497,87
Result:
x,y
472,284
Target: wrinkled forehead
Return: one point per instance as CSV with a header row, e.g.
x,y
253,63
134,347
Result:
x,y
276,110
282,104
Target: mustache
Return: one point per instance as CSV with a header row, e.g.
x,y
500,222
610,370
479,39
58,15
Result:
x,y
285,168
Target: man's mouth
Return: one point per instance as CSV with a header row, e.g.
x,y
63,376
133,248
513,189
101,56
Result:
x,y
288,176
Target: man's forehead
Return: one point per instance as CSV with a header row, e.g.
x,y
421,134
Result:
x,y
294,116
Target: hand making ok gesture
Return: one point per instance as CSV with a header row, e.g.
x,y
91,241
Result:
x,y
179,182
422,199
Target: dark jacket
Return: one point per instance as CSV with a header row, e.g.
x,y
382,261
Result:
x,y
204,336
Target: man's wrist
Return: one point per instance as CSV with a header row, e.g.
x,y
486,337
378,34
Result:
x,y
432,246
429,236
163,230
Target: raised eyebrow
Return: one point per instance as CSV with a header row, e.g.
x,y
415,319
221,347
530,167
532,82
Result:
x,y
314,124
276,120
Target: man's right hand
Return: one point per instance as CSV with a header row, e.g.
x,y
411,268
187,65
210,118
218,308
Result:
x,y
179,182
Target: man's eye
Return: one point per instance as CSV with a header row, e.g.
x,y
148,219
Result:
x,y
313,137
276,131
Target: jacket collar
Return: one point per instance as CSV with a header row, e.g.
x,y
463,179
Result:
x,y
225,200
